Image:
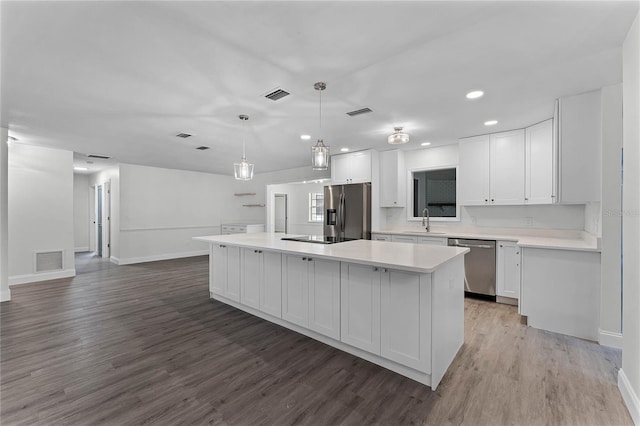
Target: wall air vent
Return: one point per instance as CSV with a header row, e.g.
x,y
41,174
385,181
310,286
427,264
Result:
x,y
359,111
277,94
184,135
203,148
98,156
48,261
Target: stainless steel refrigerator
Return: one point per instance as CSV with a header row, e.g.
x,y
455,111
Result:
x,y
347,211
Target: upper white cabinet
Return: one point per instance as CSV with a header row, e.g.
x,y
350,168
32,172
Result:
x,y
508,270
354,167
540,178
393,181
492,169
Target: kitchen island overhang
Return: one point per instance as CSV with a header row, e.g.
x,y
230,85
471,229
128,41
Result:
x,y
398,305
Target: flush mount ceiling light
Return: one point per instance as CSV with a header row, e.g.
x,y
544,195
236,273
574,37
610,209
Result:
x,y
475,94
320,152
398,137
491,123
243,170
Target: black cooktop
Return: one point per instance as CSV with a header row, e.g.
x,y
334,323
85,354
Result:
x,y
318,239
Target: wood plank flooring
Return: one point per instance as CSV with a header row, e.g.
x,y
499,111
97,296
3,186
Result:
x,y
144,344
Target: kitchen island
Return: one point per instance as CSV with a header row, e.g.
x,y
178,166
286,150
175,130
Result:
x,y
398,305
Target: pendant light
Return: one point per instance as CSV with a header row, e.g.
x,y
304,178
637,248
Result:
x,y
398,137
243,170
320,152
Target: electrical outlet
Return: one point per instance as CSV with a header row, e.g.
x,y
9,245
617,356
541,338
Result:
x,y
528,221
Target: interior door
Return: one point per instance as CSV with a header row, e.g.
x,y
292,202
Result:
x,y
99,221
280,215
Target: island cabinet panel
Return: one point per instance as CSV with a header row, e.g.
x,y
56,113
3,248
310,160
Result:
x,y
360,288
405,324
252,273
224,278
271,284
295,289
324,297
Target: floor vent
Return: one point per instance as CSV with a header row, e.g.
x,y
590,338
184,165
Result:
x,y
49,261
359,111
277,94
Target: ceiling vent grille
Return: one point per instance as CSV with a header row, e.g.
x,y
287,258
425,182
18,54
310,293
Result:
x,y
277,94
49,261
184,135
359,112
98,156
203,148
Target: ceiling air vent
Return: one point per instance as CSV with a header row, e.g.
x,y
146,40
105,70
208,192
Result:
x,y
98,156
359,111
277,94
203,148
184,135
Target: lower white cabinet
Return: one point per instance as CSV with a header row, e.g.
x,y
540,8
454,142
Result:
x,y
433,241
404,239
260,281
381,237
508,270
361,307
224,271
311,294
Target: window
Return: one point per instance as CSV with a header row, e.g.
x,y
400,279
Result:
x,y
316,206
435,189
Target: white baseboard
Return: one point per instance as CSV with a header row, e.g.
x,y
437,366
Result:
x,y
41,276
629,396
610,339
5,296
130,260
80,249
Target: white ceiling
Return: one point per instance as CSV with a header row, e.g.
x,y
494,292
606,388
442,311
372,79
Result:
x,y
123,78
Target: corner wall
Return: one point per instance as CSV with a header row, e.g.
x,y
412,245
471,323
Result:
x,y
629,374
40,203
81,228
5,294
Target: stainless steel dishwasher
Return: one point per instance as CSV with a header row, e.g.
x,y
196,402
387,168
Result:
x,y
479,267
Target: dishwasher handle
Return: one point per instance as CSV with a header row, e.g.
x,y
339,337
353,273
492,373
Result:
x,y
483,246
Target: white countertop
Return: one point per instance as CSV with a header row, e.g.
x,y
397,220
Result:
x,y
402,256
534,238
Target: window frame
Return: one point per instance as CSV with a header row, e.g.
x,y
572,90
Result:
x,y
410,206
313,204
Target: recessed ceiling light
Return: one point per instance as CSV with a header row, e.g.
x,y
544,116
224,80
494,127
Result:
x,y
344,149
305,137
80,169
491,123
425,144
475,94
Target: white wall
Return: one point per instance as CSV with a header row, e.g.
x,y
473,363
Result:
x,y
40,210
629,375
5,294
570,217
81,192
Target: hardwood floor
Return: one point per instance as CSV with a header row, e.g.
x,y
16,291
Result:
x,y
144,344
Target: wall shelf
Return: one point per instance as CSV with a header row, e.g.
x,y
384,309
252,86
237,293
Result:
x,y
253,205
242,194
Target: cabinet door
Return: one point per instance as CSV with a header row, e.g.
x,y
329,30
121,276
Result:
x,y
508,270
403,331
252,275
507,168
218,269
271,288
340,168
474,170
233,273
539,155
432,241
360,307
295,289
324,297
392,179
381,237
360,167
404,239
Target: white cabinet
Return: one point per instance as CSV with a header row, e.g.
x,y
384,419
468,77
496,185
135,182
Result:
x,y
240,228
405,333
360,325
393,181
311,294
224,271
351,168
433,241
508,270
491,169
540,182
404,239
381,237
260,282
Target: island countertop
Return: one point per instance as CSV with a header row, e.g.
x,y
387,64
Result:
x,y
402,256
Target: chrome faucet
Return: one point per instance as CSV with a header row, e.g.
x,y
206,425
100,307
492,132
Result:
x,y
425,215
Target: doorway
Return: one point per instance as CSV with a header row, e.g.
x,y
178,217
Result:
x,y
99,220
102,228
280,213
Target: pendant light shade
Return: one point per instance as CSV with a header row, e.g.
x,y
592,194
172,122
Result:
x,y
243,170
398,137
320,152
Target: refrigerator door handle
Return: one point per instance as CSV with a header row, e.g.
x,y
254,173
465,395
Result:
x,y
342,211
